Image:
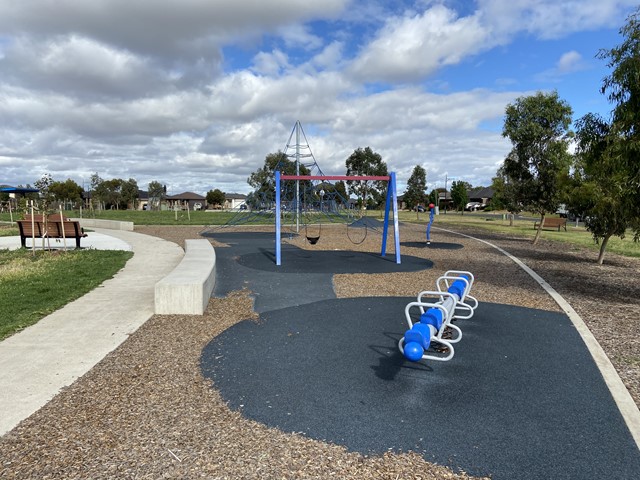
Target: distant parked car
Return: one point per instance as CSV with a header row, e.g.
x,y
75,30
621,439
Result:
x,y
419,208
197,206
473,206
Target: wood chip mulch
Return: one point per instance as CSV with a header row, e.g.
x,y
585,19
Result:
x,y
145,411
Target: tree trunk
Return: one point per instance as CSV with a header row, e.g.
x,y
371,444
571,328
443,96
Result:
x,y
603,247
539,231
511,217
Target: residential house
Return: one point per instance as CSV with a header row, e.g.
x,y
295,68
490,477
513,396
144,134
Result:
x,y
186,199
482,195
233,201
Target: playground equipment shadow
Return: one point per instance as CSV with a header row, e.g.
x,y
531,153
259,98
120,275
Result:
x,y
522,397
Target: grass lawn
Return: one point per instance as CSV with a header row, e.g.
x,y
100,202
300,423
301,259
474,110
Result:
x,y
524,228
486,220
8,231
32,287
144,217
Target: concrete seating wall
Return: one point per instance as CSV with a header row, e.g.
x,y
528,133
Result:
x,y
109,224
187,289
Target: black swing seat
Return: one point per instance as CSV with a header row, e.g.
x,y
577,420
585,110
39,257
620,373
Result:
x,y
313,240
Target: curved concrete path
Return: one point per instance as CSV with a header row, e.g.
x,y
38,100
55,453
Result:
x,y
42,359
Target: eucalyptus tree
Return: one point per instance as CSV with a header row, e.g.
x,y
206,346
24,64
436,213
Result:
x,y
264,183
598,192
364,161
66,192
606,174
415,194
622,88
216,197
538,128
459,196
157,193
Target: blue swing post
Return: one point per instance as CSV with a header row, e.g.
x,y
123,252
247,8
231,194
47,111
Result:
x,y
392,197
278,233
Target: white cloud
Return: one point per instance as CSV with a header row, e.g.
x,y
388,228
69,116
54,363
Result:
x,y
82,66
131,90
568,63
143,26
330,58
552,18
299,36
412,47
270,63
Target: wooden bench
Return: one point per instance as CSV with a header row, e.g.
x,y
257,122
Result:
x,y
56,227
552,223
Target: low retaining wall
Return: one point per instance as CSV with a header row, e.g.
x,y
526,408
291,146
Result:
x,y
109,224
187,289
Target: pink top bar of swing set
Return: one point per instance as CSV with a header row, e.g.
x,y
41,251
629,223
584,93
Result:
x,y
334,177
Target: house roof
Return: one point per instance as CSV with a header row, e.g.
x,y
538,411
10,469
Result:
x,y
486,192
235,196
185,196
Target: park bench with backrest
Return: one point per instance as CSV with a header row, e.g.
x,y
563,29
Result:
x,y
553,223
57,226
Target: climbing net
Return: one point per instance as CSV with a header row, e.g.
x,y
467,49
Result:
x,y
302,210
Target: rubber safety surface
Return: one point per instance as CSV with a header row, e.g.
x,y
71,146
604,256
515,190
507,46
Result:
x,y
521,398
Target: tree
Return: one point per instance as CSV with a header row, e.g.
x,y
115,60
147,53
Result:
x,y
415,194
157,193
45,195
66,192
332,194
366,162
506,195
111,192
341,193
434,197
597,194
264,183
538,128
622,88
216,197
129,193
96,190
459,195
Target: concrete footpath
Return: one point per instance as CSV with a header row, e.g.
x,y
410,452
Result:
x,y
38,362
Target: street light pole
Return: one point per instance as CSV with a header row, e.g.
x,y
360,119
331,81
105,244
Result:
x,y
445,192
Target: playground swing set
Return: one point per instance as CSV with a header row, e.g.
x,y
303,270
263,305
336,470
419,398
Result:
x,y
391,203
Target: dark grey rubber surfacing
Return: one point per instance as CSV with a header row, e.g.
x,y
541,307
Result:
x,y
522,397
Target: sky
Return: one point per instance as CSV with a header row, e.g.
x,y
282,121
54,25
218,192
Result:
x,y
195,94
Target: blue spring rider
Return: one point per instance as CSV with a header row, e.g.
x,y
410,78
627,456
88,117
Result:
x,y
435,317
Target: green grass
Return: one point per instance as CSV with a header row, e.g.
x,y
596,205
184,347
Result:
x,y
144,217
8,231
33,286
524,228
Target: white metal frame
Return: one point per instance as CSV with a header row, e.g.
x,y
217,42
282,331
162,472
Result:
x,y
452,307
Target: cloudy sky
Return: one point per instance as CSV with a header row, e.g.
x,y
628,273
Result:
x,y
195,93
